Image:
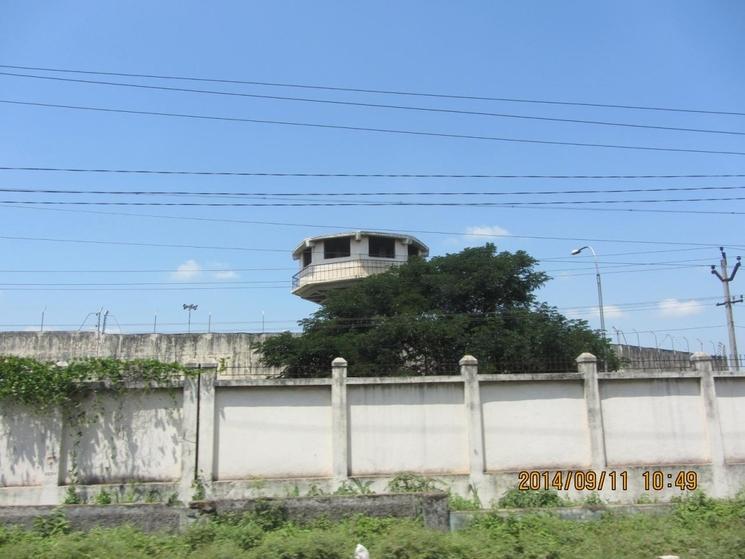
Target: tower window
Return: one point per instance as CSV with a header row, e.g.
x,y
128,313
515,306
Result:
x,y
336,248
307,257
382,247
413,250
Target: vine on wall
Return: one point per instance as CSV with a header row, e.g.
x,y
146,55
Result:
x,y
42,386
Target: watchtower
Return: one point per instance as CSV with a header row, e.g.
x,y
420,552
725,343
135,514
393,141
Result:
x,y
333,261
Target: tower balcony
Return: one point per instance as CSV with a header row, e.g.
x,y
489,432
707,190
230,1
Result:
x,y
315,280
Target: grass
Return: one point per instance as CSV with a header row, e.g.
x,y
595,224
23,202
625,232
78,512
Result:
x,y
696,528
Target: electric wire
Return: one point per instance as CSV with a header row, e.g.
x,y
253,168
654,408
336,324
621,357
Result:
x,y
366,203
420,133
361,175
365,194
383,106
418,231
379,91
131,243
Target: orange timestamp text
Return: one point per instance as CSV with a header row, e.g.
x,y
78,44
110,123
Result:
x,y
615,480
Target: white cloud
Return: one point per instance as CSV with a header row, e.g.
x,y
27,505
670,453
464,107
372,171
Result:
x,y
481,230
612,311
225,274
478,234
187,271
674,308
221,271
609,311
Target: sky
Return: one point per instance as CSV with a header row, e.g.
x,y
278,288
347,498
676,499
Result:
x,y
235,262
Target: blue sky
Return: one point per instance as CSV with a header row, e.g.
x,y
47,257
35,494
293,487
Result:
x,y
662,54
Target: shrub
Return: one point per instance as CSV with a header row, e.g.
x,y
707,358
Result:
x,y
103,498
407,482
304,544
519,499
52,525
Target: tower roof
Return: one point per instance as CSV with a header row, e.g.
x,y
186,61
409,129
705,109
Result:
x,y
407,239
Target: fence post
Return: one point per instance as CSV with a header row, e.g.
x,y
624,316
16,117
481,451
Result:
x,y
469,369
53,474
587,364
702,362
339,421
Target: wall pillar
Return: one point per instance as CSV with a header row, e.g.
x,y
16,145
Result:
x,y
339,420
189,419
54,474
206,428
702,362
469,369
587,364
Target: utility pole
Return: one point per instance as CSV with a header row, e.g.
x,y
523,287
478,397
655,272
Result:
x,y
728,302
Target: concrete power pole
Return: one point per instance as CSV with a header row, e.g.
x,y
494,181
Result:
x,y
728,302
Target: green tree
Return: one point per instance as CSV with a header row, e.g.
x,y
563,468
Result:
x,y
421,317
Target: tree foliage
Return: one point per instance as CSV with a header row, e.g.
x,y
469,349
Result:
x,y
421,317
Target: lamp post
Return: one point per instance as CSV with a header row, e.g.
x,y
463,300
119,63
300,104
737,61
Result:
x,y
189,307
575,252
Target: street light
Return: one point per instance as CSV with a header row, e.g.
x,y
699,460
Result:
x,y
190,308
575,252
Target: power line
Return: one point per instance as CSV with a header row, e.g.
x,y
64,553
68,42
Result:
x,y
366,194
604,263
381,91
371,129
380,105
128,243
513,206
359,175
131,271
285,283
142,288
374,203
609,267
412,231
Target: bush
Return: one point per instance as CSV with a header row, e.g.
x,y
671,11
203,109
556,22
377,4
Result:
x,y
304,544
407,482
697,528
542,498
103,498
52,525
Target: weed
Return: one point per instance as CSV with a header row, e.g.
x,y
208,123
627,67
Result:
x,y
52,525
592,499
315,491
200,491
103,498
354,487
473,502
519,499
72,497
407,482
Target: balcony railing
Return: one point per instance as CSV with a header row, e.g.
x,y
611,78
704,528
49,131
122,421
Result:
x,y
347,269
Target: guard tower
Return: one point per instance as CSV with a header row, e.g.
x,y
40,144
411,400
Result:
x,y
333,261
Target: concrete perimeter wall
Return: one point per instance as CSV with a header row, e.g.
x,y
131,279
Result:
x,y
237,353
252,437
